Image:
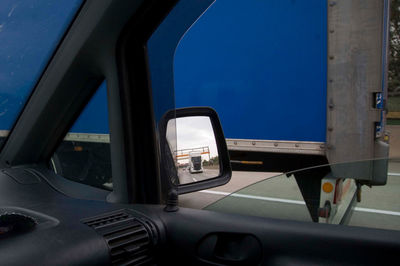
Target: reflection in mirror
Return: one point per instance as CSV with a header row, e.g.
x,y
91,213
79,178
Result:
x,y
194,148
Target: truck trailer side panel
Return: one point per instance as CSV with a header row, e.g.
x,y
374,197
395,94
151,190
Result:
x,y
305,77
261,65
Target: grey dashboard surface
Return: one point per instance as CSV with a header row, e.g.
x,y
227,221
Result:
x,y
59,235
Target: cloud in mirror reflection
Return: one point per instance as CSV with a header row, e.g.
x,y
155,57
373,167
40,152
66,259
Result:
x,y
192,132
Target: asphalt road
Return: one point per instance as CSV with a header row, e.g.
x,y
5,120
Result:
x,y
277,196
186,177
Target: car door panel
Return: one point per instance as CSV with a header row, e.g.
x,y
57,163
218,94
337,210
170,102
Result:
x,y
283,242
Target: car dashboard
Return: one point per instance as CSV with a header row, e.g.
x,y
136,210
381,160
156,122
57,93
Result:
x,y
48,220
40,225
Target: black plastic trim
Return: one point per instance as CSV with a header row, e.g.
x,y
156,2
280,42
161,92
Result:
x,y
225,166
136,100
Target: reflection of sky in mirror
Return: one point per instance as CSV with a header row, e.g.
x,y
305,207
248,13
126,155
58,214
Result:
x,y
193,132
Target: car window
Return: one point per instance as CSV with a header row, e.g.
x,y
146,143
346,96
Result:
x,y
242,79
84,154
30,31
296,88
279,197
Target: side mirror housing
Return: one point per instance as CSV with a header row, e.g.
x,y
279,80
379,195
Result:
x,y
194,154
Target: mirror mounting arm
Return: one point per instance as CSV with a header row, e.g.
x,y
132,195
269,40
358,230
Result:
x,y
172,201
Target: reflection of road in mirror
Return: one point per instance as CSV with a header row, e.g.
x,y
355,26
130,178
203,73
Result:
x,y
186,177
196,153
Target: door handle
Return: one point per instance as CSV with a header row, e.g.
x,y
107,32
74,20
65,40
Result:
x,y
230,249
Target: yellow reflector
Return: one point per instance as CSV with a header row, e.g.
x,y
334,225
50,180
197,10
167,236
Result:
x,y
78,148
251,162
327,187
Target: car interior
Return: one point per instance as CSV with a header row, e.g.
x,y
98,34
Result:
x,y
47,219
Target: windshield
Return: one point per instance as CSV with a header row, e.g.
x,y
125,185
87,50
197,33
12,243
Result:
x,y
196,159
30,31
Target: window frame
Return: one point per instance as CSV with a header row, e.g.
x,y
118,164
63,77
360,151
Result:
x,y
72,76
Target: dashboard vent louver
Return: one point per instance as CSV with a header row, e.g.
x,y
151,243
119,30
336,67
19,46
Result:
x,y
127,237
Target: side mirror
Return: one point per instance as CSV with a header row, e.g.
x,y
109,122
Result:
x,y
193,150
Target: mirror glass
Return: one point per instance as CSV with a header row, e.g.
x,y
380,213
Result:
x,y
192,142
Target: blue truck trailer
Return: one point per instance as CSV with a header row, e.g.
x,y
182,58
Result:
x,y
285,78
295,83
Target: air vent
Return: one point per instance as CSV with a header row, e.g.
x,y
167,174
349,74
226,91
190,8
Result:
x,y
127,237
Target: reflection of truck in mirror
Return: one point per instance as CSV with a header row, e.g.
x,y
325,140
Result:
x,y
296,84
195,162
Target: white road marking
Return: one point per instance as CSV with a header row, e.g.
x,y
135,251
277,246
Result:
x,y
253,197
299,202
394,174
377,211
